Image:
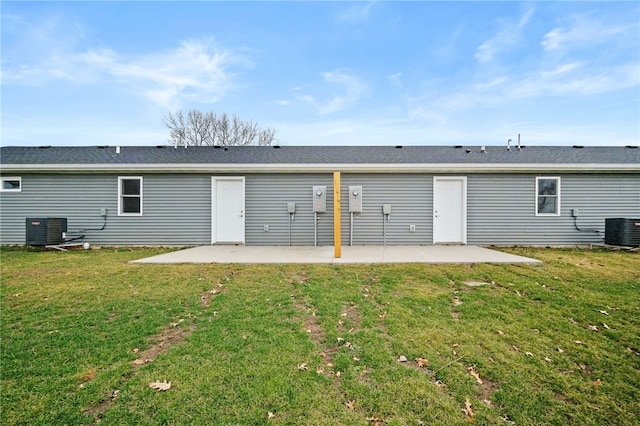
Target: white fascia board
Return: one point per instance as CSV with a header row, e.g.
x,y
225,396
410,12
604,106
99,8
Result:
x,y
321,168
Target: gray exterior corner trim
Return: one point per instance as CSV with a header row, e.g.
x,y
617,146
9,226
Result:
x,y
323,168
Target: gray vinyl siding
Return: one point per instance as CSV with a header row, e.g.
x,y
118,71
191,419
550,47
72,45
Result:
x,y
411,199
176,208
266,198
501,208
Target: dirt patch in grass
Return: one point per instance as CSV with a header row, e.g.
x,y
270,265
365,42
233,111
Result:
x,y
299,278
311,324
97,410
205,298
350,312
163,341
487,388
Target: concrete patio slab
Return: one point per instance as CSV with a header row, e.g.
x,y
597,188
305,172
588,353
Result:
x,y
324,254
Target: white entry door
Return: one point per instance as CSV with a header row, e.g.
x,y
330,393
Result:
x,y
449,210
227,209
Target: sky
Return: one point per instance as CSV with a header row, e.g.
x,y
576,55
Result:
x,y
323,73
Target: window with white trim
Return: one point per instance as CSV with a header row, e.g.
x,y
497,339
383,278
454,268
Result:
x,y
11,184
130,196
547,196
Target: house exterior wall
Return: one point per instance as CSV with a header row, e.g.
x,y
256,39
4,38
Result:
x,y
411,199
177,208
267,196
502,208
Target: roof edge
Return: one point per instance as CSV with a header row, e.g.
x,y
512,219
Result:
x,y
320,168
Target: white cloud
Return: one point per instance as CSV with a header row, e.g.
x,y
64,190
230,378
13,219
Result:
x,y
506,38
351,89
566,80
581,31
395,79
354,89
195,70
356,13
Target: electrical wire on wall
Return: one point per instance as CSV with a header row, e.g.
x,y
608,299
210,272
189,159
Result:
x,y
80,237
575,224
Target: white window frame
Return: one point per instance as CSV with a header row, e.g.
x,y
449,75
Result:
x,y
120,195
4,179
558,195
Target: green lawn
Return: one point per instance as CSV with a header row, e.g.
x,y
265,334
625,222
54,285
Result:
x,y
84,333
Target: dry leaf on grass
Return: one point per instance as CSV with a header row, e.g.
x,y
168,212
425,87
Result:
x,y
593,328
500,332
604,312
402,358
528,353
422,362
597,383
475,375
303,366
606,326
468,411
160,386
175,324
351,405
270,415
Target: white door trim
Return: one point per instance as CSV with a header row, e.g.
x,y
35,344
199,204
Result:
x,y
463,225
214,195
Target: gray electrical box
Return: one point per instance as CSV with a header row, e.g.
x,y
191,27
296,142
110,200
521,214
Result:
x,y
319,199
386,208
291,207
355,199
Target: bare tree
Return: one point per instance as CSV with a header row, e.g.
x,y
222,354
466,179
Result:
x,y
199,128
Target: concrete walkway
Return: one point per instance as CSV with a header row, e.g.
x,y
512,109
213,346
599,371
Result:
x,y
324,254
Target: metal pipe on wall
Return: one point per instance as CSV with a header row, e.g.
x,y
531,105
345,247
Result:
x,y
351,231
384,229
315,229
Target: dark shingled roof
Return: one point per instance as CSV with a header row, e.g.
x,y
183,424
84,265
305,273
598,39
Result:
x,y
343,155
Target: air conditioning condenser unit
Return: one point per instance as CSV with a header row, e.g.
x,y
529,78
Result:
x,y
622,232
